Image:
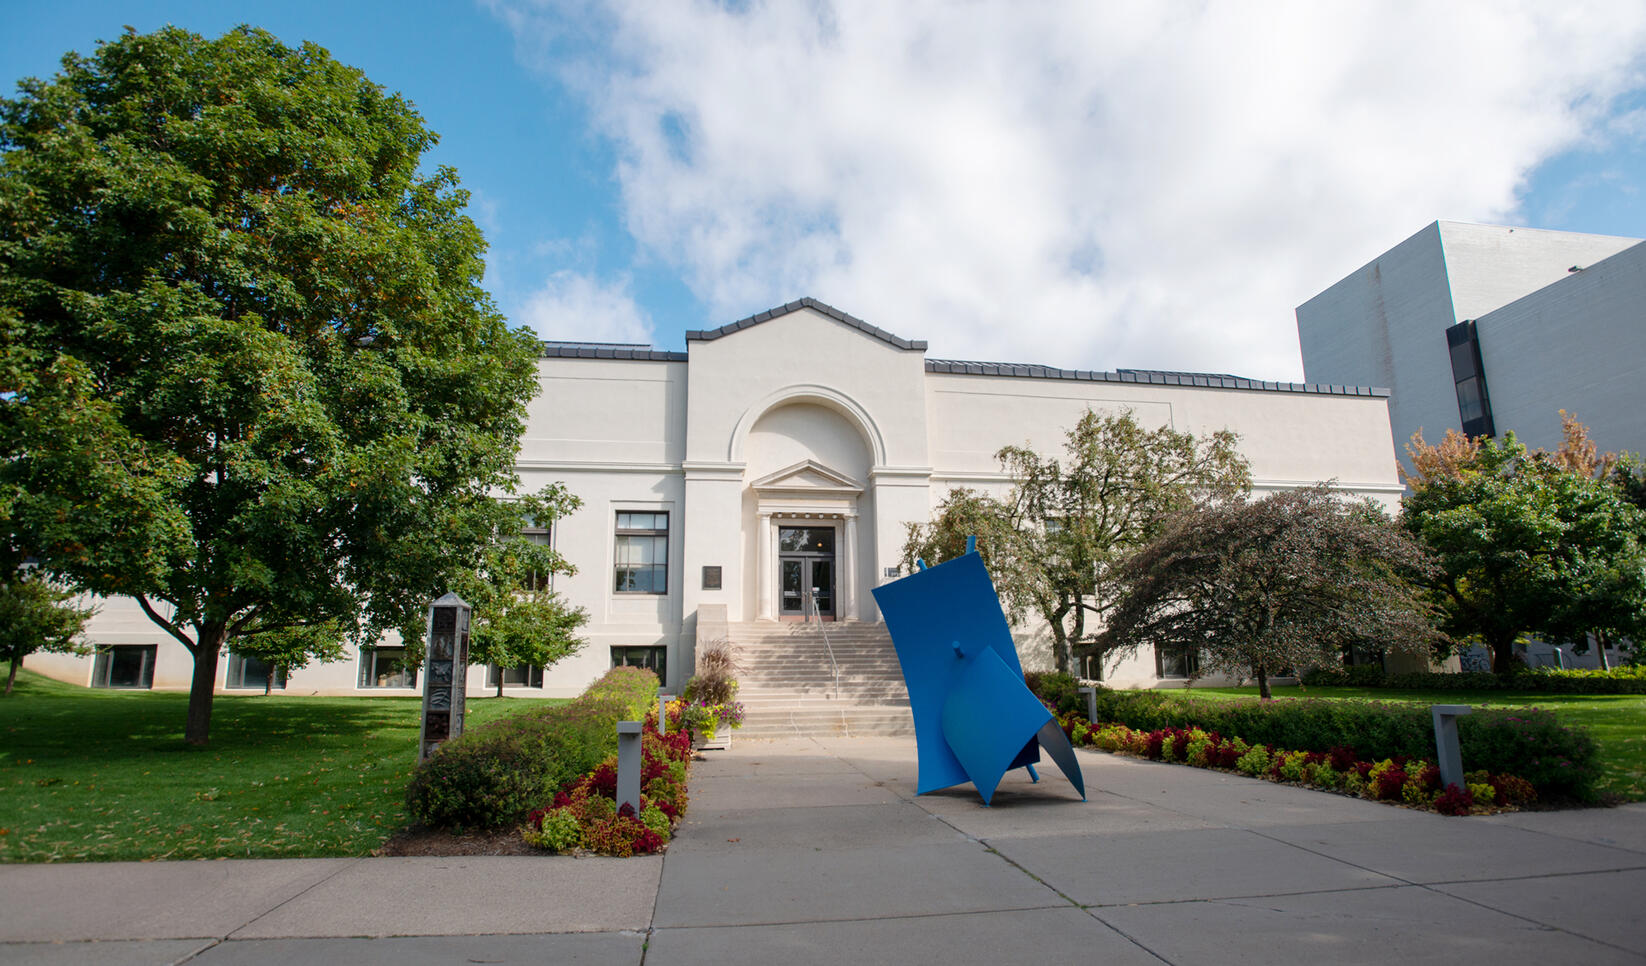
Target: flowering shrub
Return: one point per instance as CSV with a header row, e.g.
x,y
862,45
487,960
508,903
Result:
x,y
1255,761
704,720
492,775
556,830
1512,789
1559,760
1454,801
1411,781
1386,779
584,814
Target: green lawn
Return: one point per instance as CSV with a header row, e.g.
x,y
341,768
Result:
x,y
1617,721
92,774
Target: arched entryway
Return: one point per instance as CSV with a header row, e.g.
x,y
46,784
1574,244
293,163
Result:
x,y
805,465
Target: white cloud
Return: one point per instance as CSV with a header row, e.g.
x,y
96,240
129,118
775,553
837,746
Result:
x,y
573,307
1087,185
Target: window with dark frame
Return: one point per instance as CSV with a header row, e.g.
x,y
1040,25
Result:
x,y
520,676
543,537
253,673
642,554
123,666
653,657
386,667
1474,405
1176,661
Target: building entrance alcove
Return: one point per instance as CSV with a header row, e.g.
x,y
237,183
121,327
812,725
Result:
x,y
806,465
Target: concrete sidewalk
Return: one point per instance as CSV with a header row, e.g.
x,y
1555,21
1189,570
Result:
x,y
818,851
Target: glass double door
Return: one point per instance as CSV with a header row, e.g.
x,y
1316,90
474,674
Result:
x,y
805,566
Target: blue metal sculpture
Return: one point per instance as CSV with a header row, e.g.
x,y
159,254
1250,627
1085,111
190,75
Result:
x,y
974,718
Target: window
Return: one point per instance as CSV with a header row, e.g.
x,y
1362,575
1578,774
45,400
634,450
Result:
x,y
254,672
123,666
1176,661
543,537
386,667
522,676
655,659
642,553
1474,404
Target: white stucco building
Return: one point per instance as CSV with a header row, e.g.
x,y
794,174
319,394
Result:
x,y
1490,329
790,450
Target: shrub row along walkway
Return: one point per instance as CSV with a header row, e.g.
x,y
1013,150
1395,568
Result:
x,y
817,851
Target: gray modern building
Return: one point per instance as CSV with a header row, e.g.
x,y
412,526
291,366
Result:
x,y
1489,329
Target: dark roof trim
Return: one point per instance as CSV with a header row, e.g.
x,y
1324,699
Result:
x,y
708,335
606,350
1148,377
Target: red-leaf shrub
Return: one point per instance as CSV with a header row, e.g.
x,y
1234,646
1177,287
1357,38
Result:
x,y
1454,801
1390,782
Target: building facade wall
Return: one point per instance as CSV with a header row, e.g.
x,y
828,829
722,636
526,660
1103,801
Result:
x,y
1385,324
808,418
1578,344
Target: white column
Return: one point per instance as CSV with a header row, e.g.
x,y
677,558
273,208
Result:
x,y
763,544
848,568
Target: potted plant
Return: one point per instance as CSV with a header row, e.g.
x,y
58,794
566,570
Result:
x,y
709,706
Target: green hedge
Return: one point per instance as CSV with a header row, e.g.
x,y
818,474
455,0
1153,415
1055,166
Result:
x,y
1622,680
1530,743
493,775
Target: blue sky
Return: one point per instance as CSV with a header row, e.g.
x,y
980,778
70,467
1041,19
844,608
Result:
x,y
1083,185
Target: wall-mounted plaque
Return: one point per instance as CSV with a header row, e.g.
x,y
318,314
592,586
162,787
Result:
x,y
711,578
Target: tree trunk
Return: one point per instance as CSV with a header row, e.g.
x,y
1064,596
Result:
x,y
1263,684
197,730
1600,645
1503,655
16,662
1060,647
500,682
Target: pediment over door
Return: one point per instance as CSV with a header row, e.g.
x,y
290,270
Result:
x,y
805,488
807,478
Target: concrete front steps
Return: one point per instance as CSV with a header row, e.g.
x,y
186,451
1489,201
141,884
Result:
x,y
788,688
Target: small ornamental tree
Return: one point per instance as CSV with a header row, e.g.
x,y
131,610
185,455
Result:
x,y
1288,581
518,618
287,649
1528,543
253,382
36,615
1053,543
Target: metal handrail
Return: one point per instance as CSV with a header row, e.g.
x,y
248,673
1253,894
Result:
x,y
809,598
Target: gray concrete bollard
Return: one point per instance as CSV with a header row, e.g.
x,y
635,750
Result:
x,y
1091,703
663,711
629,762
1447,754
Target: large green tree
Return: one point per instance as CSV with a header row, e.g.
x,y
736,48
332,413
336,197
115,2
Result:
x,y
1289,581
1052,544
1529,543
260,386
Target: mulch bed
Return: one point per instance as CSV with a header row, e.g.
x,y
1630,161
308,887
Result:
x,y
424,841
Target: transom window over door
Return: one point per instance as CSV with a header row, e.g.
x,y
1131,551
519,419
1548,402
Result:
x,y
642,554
